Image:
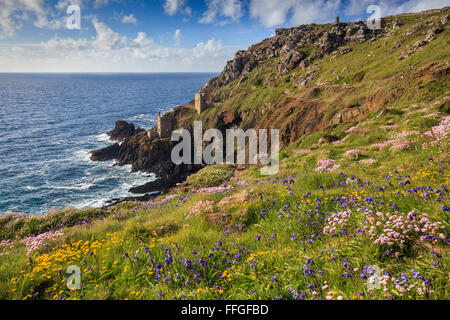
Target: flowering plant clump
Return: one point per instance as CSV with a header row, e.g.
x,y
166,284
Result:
x,y
260,156
431,115
302,151
337,222
199,207
404,134
352,154
34,243
440,131
382,145
326,165
170,197
400,145
368,161
220,189
13,215
395,230
5,245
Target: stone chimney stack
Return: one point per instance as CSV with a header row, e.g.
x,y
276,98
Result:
x,y
199,102
337,20
165,125
159,124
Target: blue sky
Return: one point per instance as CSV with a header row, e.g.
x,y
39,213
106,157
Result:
x,y
159,35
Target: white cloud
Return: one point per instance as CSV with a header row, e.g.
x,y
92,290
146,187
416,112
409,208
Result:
x,y
65,44
64,4
129,19
212,47
172,7
391,7
11,14
106,38
272,13
177,36
108,51
231,10
309,11
55,23
142,41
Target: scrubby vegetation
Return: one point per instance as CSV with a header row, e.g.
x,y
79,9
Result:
x,y
211,176
303,234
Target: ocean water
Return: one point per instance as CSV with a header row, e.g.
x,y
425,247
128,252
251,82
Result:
x,y
50,122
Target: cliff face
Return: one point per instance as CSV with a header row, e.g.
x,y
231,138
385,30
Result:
x,y
291,47
313,77
147,152
306,79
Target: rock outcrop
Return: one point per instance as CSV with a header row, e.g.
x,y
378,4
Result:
x,y
122,131
151,155
109,153
291,47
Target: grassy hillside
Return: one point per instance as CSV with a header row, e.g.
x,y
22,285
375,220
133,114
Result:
x,y
374,195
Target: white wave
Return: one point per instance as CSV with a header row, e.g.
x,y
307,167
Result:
x,y
30,188
103,138
144,117
80,186
82,155
91,203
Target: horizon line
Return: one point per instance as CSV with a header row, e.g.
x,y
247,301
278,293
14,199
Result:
x,y
105,72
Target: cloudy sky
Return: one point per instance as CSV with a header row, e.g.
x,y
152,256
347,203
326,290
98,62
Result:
x,y
159,35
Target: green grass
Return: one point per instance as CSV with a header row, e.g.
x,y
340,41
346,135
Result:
x,y
211,176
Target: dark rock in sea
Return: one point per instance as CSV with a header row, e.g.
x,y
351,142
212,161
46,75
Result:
x,y
170,175
122,131
157,185
105,154
146,197
149,154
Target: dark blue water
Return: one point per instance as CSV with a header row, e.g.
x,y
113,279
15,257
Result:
x,y
49,123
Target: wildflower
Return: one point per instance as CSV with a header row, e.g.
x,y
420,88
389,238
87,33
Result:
x,y
347,275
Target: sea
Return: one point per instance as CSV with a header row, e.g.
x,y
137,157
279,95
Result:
x,y
50,122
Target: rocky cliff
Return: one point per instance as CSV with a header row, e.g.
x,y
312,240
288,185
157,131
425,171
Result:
x,y
312,77
305,79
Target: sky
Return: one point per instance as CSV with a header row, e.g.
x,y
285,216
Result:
x,y
159,35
